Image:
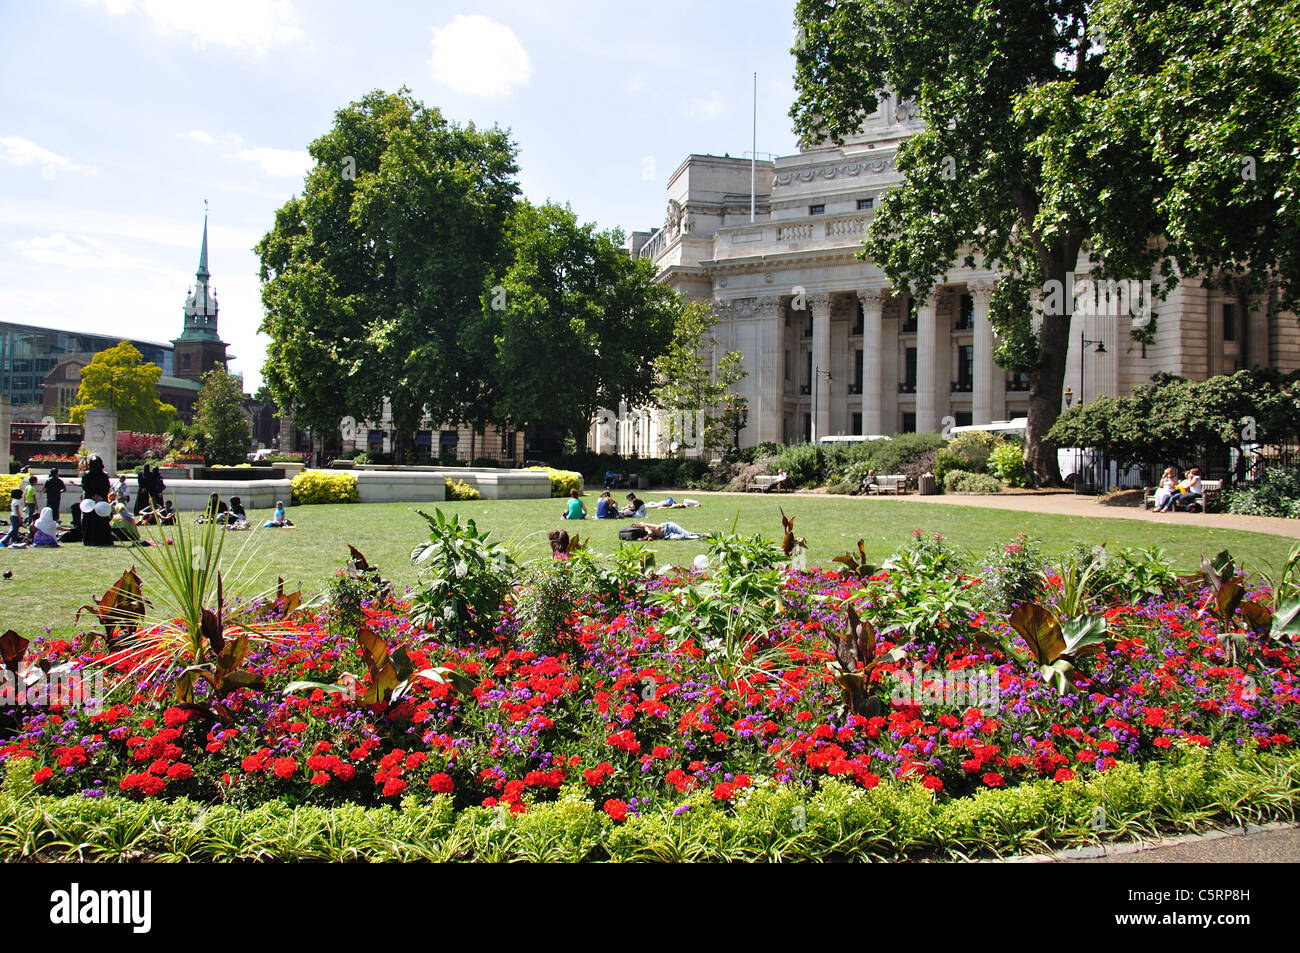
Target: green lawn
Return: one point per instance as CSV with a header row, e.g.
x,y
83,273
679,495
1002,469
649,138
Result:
x,y
49,584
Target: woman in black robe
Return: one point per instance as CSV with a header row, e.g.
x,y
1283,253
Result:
x,y
95,529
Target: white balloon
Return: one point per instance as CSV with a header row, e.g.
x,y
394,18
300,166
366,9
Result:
x,y
87,505
103,508
701,561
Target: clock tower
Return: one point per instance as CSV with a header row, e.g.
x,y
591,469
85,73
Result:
x,y
199,348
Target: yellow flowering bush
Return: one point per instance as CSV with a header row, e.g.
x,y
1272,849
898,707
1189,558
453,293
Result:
x,y
460,490
321,486
562,481
8,483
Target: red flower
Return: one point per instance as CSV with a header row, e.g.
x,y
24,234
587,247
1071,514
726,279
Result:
x,y
441,783
933,783
993,779
284,767
616,809
320,778
180,772
394,787
724,791
1063,774
43,775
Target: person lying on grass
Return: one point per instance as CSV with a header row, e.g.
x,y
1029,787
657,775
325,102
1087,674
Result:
x,y
667,531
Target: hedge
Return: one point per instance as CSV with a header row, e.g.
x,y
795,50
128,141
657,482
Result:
x,y
562,481
1193,788
320,486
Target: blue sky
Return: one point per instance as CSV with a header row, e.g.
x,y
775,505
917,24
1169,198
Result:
x,y
118,118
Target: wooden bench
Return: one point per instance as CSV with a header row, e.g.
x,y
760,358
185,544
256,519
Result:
x,y
1210,492
761,484
889,483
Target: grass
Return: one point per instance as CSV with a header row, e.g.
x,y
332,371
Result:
x,y
49,584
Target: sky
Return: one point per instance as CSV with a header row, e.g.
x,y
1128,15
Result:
x,y
119,118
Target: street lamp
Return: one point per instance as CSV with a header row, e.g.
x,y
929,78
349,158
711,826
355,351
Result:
x,y
1084,343
738,408
817,374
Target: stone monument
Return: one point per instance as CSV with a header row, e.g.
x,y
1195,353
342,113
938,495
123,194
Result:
x,y
101,436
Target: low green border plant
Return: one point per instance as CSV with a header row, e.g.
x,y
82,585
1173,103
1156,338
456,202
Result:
x,y
1193,788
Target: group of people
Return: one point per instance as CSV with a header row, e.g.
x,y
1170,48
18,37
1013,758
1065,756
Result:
x,y
1173,493
607,509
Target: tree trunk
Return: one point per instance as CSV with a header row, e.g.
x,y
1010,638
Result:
x,y
1046,383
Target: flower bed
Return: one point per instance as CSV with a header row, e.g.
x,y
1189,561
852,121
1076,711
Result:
x,y
719,692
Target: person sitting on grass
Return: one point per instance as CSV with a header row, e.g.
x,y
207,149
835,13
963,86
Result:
x,y
667,531
575,510
606,508
236,518
46,530
278,519
635,506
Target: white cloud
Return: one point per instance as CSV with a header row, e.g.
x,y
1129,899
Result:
x,y
196,135
23,152
156,230
289,163
82,252
253,25
478,56
711,107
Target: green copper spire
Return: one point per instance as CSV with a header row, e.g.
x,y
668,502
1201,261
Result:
x,y
202,273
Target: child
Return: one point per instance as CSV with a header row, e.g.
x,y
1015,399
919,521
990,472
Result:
x,y
14,537
120,492
576,510
29,499
278,518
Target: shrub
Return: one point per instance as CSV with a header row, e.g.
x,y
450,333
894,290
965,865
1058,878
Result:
x,y
803,462
562,481
1013,573
691,472
8,483
945,462
545,602
479,463
974,447
1007,463
1275,493
459,491
746,472
961,481
321,486
842,488
463,577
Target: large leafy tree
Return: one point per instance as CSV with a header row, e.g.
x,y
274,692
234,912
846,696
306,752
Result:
x,y
219,418
690,385
122,380
371,276
576,324
1049,134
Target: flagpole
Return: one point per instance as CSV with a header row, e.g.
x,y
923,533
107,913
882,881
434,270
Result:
x,y
753,155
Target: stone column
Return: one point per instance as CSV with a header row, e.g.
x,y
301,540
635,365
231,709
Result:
x,y
820,306
1257,351
926,377
6,417
101,436
873,302
987,373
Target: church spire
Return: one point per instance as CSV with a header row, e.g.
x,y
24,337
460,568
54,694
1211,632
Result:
x,y
202,273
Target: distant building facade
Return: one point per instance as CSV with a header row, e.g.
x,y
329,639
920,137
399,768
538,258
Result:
x,y
832,348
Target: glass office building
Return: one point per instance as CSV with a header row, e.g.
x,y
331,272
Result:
x,y
28,353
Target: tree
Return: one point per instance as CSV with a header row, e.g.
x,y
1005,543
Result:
x,y
220,419
689,385
370,277
580,323
121,379
1036,150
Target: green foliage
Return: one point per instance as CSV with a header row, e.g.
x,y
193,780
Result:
x,y
804,463
959,481
372,276
219,417
120,379
690,384
884,456
1013,573
464,577
545,601
569,322
321,486
926,594
1084,579
945,462
1007,463
562,481
1275,493
459,491
1055,644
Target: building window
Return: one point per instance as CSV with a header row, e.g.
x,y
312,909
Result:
x,y
964,418
808,374
1018,382
787,365
909,423
857,425
816,209
855,387
808,328
1229,322
375,441
909,373
864,205
807,427
965,368
909,317
185,362
966,314
856,330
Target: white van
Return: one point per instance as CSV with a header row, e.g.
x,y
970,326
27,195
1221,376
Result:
x,y
834,439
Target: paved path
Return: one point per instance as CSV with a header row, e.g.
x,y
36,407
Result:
x,y
1277,843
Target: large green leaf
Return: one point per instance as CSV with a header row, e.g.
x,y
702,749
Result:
x,y
1039,628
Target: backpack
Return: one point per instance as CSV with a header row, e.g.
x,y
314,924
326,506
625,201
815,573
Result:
x,y
632,532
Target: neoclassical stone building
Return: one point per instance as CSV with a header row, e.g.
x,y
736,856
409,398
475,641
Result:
x,y
831,348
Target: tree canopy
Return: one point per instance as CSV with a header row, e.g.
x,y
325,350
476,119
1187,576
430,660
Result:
x,y
576,324
370,277
1116,129
219,417
122,380
689,383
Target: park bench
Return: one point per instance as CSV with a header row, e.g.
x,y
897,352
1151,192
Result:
x,y
1210,492
890,483
761,483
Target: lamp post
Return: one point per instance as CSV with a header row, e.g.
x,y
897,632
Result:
x,y
817,374
1084,343
738,410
